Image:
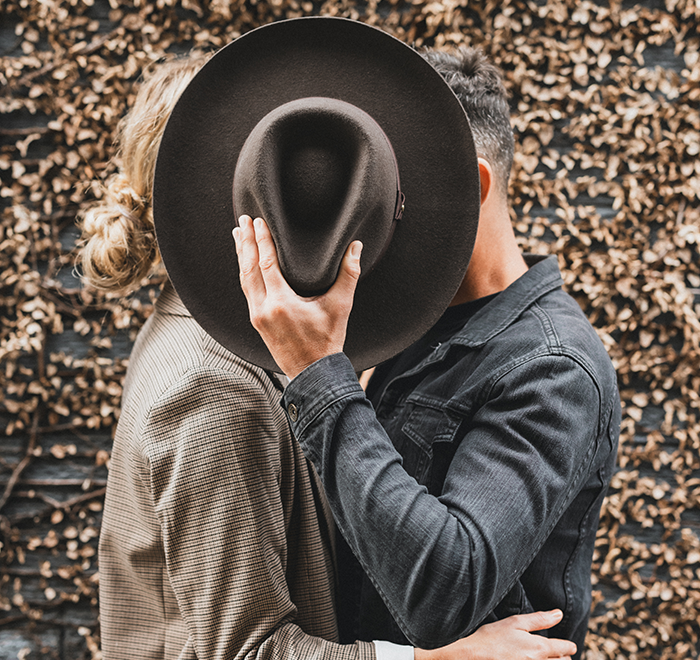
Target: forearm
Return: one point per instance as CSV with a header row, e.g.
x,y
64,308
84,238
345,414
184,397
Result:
x,y
418,553
441,564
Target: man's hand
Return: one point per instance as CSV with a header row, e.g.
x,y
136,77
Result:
x,y
508,639
297,331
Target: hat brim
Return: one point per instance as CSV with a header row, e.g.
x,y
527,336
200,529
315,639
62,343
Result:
x,y
422,268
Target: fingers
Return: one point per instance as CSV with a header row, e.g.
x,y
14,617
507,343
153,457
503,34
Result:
x,y
343,289
252,281
269,265
259,267
560,649
298,331
257,260
539,620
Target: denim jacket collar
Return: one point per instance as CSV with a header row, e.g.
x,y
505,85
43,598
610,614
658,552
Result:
x,y
542,277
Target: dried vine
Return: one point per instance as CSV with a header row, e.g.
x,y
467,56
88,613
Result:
x,y
606,108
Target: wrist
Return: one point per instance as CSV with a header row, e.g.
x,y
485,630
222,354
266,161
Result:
x,y
293,369
292,363
461,649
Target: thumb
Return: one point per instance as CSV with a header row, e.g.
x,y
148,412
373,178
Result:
x,y
346,282
540,620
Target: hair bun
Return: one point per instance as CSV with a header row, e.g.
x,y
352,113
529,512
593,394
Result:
x,y
125,199
119,245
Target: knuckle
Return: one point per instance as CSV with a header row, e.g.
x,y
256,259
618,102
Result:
x,y
245,266
257,319
354,270
266,263
276,312
266,316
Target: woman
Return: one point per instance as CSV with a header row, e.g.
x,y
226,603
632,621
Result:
x,y
216,539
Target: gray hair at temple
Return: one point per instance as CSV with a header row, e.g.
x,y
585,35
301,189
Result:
x,y
478,84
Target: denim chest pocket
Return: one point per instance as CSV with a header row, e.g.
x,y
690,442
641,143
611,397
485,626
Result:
x,y
429,435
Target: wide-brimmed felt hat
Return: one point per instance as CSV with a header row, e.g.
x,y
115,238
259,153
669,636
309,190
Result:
x,y
331,130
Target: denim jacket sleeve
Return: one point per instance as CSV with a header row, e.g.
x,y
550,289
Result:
x,y
442,563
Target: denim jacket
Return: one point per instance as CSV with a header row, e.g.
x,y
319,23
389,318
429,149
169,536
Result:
x,y
484,468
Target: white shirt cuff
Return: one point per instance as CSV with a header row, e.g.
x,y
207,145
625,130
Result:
x,y
390,651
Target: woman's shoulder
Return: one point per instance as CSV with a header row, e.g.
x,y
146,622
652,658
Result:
x,y
173,356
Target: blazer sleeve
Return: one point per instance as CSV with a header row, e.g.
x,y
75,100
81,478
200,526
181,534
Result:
x,y
215,453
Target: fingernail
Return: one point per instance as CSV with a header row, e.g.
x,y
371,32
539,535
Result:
x,y
356,249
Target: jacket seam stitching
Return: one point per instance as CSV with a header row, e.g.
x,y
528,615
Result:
x,y
313,416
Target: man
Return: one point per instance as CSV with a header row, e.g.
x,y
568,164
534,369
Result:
x,y
481,475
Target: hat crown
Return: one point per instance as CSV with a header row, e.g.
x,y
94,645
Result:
x,y
322,173
427,253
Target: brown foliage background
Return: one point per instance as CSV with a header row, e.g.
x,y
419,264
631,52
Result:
x,y
606,107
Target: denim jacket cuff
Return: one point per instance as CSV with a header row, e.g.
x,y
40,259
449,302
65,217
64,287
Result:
x,y
318,387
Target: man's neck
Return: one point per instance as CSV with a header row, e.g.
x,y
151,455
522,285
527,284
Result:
x,y
496,261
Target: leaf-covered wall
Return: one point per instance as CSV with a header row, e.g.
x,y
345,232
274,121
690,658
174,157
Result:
x,y
606,108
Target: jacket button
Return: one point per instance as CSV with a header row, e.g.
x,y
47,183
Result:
x,y
293,412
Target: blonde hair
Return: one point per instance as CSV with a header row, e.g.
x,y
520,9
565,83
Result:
x,y
118,243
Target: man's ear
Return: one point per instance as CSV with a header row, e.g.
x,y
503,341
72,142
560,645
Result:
x,y
486,178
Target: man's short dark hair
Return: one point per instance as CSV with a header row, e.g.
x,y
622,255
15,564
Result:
x,y
479,86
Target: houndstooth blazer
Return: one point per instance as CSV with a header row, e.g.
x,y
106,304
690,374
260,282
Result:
x,y
216,538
